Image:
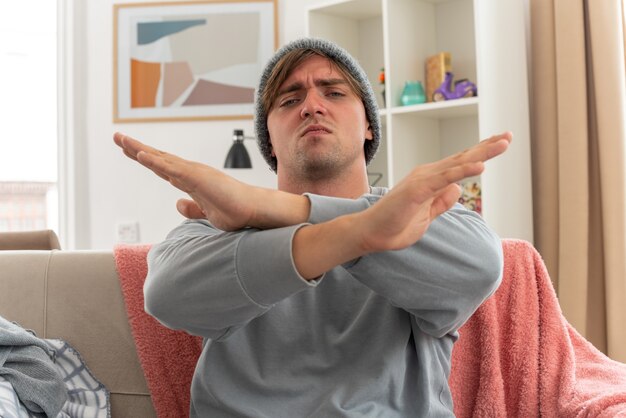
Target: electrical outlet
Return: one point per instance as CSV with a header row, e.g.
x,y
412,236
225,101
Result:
x,y
128,232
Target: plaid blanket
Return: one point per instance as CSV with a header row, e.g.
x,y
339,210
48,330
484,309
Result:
x,y
87,397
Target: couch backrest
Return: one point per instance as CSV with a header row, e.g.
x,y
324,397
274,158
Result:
x,y
75,296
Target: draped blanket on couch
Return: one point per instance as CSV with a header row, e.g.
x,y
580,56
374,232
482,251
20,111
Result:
x,y
517,356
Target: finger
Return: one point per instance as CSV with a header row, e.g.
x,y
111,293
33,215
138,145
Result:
x,y
458,173
153,158
493,146
432,185
129,155
190,209
155,163
508,136
117,138
483,151
133,157
132,146
496,147
170,168
446,199
123,141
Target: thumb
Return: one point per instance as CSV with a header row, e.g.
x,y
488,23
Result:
x,y
190,209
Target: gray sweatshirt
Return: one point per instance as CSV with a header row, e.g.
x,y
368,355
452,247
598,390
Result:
x,y
370,338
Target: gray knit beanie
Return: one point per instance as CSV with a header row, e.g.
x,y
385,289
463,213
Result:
x,y
337,54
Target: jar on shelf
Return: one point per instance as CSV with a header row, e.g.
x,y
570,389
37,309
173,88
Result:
x,y
413,93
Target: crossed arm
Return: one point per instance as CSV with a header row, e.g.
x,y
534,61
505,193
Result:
x,y
397,221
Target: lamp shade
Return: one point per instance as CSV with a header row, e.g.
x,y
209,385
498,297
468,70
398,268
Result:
x,y
238,156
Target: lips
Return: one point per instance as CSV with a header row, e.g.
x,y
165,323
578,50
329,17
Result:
x,y
316,129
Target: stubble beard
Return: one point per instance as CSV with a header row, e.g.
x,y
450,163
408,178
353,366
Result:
x,y
318,165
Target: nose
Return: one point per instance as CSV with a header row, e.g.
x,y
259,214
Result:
x,y
312,105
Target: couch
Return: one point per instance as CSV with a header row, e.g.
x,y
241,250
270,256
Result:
x,y
75,296
517,355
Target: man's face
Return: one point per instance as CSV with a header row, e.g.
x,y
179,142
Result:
x,y
317,124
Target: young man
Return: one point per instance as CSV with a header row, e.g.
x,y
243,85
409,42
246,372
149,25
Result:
x,y
325,298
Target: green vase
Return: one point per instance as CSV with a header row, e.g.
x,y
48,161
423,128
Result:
x,y
413,93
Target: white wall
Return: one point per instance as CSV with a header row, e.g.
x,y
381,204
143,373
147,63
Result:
x,y
111,189
107,188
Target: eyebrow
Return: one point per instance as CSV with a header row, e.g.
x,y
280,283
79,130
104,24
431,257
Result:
x,y
323,82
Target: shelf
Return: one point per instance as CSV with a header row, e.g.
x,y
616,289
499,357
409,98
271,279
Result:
x,y
486,40
439,110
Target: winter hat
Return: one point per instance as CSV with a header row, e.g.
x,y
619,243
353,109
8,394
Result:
x,y
337,54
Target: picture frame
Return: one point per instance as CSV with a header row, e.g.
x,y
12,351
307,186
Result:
x,y
190,60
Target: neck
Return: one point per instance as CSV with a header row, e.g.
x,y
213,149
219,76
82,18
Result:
x,y
347,185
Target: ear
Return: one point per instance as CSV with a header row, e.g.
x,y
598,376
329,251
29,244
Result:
x,y
272,153
368,134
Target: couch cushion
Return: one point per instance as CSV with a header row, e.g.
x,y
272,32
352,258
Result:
x,y
23,286
85,307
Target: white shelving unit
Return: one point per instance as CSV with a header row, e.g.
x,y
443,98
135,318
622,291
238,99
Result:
x,y
488,45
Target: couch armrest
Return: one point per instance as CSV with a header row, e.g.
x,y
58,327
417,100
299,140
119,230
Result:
x,y
76,296
30,240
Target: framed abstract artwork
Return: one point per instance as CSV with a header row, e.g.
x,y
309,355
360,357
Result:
x,y
194,60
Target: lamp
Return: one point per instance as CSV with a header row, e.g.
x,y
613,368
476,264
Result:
x,y
238,156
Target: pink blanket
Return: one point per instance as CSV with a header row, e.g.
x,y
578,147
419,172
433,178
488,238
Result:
x,y
517,356
168,358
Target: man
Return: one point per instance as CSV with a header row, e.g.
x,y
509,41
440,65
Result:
x,y
325,298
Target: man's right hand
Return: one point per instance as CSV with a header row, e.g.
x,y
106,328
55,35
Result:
x,y
403,215
224,201
398,219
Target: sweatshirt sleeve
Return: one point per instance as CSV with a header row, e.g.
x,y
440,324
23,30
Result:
x,y
210,283
442,278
